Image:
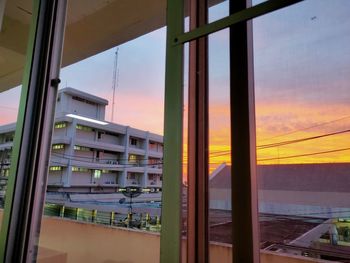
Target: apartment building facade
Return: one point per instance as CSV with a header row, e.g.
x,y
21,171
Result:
x,y
91,155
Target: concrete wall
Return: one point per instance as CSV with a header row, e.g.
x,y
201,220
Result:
x,y
84,109
91,243
76,242
79,178
55,177
107,138
85,135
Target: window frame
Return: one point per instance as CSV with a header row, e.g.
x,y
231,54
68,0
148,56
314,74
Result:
x,y
21,222
35,123
171,238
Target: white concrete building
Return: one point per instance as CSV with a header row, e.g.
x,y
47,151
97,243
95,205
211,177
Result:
x,y
91,155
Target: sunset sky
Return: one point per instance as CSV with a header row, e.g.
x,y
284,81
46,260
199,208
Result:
x,y
301,71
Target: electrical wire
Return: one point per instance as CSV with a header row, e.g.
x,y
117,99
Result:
x,y
306,128
303,155
277,144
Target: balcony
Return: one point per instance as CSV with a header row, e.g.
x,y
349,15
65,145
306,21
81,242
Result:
x,y
131,182
6,145
135,150
100,145
154,183
61,139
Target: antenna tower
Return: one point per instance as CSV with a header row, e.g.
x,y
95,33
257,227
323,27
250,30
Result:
x,y
115,80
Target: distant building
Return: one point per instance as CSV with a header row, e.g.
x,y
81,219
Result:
x,y
317,190
91,155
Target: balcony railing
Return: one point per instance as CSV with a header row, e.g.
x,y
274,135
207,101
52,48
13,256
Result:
x,y
88,250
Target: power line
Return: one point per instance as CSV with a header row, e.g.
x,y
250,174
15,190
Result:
x,y
271,145
303,155
282,143
307,128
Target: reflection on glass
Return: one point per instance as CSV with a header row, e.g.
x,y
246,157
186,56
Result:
x,y
14,31
302,69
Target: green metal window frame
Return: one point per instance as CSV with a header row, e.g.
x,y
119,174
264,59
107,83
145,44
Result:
x,y
171,239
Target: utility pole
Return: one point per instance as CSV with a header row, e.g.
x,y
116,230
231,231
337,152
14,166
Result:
x,y
115,80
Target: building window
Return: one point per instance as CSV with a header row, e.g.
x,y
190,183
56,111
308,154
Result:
x,y
83,100
131,176
97,174
57,146
60,125
133,158
80,169
55,168
6,172
133,141
84,128
9,138
112,134
152,177
81,148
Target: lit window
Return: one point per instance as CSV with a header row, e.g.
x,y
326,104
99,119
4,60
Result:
x,y
57,146
80,169
55,168
97,174
132,158
81,148
60,125
84,128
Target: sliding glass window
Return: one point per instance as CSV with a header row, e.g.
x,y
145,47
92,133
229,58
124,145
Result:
x,y
15,22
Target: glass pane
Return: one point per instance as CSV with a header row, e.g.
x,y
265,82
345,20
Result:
x,y
302,69
15,20
217,10
185,155
256,2
107,147
219,144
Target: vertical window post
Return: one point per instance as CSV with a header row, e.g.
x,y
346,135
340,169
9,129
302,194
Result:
x,y
244,183
198,149
170,250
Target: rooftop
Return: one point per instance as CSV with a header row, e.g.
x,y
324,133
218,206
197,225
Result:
x,y
316,177
83,95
